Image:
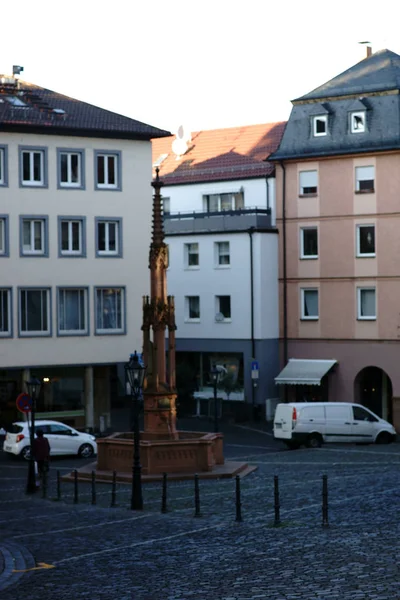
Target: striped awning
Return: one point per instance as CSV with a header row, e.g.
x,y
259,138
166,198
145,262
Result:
x,y
304,372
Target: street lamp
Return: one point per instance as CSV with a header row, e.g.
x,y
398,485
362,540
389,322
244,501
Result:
x,y
135,373
33,386
217,373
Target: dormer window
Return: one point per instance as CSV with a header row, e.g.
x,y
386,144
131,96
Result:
x,y
320,125
357,122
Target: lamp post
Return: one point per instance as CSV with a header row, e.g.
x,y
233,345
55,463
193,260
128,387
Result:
x,y
135,373
33,386
216,377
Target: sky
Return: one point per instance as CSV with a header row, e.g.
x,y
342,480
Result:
x,y
205,65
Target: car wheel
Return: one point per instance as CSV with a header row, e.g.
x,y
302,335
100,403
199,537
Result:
x,y
384,438
86,451
26,453
314,441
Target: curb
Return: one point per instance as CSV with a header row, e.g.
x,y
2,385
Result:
x,y
13,557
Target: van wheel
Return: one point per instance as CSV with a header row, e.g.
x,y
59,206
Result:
x,y
384,438
314,441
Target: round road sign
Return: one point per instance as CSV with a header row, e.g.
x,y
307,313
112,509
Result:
x,y
24,403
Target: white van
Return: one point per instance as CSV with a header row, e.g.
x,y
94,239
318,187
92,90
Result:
x,y
312,423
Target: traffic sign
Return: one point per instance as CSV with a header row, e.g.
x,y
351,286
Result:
x,y
24,403
254,369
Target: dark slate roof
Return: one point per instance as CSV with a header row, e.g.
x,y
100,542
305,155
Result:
x,y
379,78
49,112
220,154
377,73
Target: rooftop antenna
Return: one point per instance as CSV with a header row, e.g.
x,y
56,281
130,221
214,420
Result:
x,y
369,48
17,70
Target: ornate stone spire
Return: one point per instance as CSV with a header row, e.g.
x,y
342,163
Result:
x,y
158,223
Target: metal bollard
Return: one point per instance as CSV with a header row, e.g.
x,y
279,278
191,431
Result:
x,y
196,497
277,506
238,501
114,490
164,494
93,487
58,485
325,522
75,487
44,484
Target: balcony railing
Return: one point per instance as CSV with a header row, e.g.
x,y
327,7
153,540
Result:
x,y
216,221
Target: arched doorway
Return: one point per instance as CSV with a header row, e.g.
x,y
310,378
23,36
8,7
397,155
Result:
x,y
373,389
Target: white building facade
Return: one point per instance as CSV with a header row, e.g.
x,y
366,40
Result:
x,y
75,216
223,273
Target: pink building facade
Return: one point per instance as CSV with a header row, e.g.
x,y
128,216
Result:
x,y
338,210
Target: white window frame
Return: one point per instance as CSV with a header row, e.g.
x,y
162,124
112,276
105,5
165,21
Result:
x,y
302,174
31,181
3,242
363,116
166,203
307,256
110,331
188,253
358,169
32,251
69,183
323,118
2,167
305,317
31,333
234,201
69,332
7,293
70,251
218,308
107,251
105,156
188,318
219,255
361,317
360,254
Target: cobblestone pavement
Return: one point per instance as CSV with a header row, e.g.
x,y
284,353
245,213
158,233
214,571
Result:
x,y
100,552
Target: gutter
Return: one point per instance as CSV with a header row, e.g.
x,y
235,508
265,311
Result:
x,y
253,344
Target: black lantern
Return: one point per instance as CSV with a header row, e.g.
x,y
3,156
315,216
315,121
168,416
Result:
x,y
33,386
135,374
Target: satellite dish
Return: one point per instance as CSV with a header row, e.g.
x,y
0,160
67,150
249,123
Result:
x,y
180,143
219,317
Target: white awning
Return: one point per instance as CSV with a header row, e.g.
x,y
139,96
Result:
x,y
304,372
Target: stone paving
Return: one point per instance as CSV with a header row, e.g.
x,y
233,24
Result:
x,y
102,552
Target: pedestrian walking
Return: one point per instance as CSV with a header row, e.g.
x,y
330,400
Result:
x,y
41,454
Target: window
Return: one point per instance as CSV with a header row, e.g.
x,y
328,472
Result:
x,y
5,312
192,257
308,182
4,245
309,242
107,170
221,202
109,237
320,125
166,202
110,310
34,236
366,240
3,166
72,311
33,167
357,122
366,304
70,168
360,414
309,304
71,236
365,179
34,312
192,308
222,254
223,312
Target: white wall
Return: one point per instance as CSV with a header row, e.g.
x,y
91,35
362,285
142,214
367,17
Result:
x,y
133,204
209,281
188,198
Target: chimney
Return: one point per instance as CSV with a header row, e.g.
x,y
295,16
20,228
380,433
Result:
x,y
369,51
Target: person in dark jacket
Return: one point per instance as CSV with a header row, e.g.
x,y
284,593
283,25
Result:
x,y
41,452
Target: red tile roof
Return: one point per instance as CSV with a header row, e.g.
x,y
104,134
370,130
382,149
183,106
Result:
x,y
220,154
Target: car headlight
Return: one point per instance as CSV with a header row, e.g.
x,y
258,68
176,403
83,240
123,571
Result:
x,y
92,438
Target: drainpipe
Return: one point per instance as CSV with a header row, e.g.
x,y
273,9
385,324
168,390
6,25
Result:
x,y
253,345
285,310
267,192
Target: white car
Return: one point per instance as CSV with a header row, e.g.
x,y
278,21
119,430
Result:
x,y
62,439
